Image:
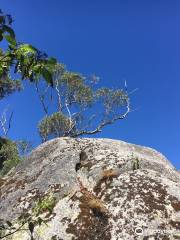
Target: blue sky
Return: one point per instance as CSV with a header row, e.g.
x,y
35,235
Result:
x,y
134,40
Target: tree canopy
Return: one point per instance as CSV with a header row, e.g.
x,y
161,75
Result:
x,y
82,108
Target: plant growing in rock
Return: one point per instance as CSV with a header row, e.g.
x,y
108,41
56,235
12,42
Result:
x,y
94,203
109,173
135,163
97,206
81,108
44,204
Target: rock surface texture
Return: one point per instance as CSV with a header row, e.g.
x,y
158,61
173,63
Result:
x,y
102,189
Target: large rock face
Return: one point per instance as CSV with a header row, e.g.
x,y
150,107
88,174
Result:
x,y
103,189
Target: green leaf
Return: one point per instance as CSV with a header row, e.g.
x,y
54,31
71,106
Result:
x,y
26,49
47,76
11,40
52,61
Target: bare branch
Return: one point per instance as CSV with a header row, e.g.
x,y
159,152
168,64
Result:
x,y
5,124
58,94
73,124
42,97
10,119
134,90
68,110
105,123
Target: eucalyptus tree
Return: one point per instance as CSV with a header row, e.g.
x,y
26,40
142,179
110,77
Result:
x,y
82,108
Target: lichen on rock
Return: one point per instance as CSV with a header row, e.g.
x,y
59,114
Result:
x,y
117,190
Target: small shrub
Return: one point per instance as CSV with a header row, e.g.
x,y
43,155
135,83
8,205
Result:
x,y
45,204
110,173
135,164
55,125
96,205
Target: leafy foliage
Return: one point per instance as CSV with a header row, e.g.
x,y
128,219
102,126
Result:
x,y
8,86
23,59
45,204
12,153
135,163
9,156
55,125
81,107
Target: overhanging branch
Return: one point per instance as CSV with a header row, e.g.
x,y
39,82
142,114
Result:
x,y
105,123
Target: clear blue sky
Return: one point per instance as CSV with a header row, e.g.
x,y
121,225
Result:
x,y
118,39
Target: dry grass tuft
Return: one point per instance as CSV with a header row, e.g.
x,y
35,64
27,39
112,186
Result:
x,y
94,203
110,173
97,205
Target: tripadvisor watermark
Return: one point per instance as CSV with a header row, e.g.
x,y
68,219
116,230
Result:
x,y
139,231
